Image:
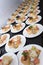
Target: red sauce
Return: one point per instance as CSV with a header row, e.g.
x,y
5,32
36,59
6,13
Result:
x,y
0,60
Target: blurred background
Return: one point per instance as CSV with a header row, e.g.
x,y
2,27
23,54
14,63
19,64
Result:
x,y
6,9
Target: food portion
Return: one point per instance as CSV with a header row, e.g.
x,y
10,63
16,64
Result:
x,y
10,20
2,39
22,13
6,28
20,18
33,19
15,42
31,13
18,10
22,10
17,27
14,14
31,56
32,29
6,60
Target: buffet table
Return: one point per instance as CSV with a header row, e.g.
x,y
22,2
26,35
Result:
x,y
36,40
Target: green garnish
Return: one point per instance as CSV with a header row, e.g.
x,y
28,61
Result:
x,y
33,48
31,7
30,27
25,54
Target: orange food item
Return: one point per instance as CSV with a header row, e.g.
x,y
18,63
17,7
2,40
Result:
x,y
36,61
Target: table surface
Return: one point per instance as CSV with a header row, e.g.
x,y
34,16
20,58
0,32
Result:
x,y
37,40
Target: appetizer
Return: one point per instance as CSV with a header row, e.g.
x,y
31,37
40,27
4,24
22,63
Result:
x,y
6,60
32,29
33,19
5,28
17,26
23,12
31,13
15,42
10,20
20,18
18,10
31,56
13,15
4,39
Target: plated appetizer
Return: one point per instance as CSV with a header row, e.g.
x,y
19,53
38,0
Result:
x,y
5,29
33,30
4,39
30,55
15,43
17,27
21,13
33,9
19,9
26,7
31,13
33,19
8,59
20,19
10,20
14,15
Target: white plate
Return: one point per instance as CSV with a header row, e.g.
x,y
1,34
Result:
x,y
28,47
34,9
16,31
38,11
18,21
2,32
39,18
6,41
14,57
33,35
23,41
38,7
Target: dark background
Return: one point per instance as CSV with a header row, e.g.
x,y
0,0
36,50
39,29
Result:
x,y
38,40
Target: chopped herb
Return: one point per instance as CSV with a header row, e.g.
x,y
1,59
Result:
x,y
30,27
25,54
33,48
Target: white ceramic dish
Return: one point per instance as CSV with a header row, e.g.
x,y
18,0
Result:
x,y
2,32
19,21
28,47
33,35
14,57
23,41
39,18
6,41
16,31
